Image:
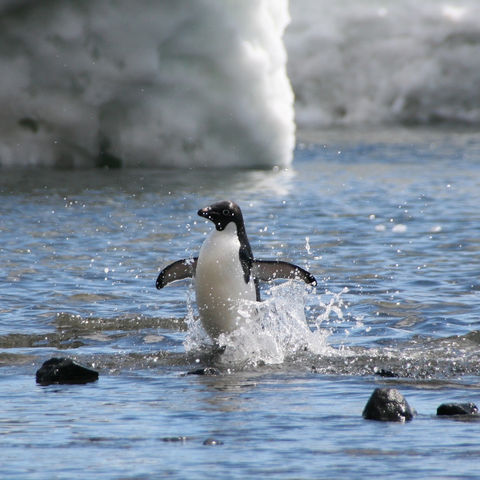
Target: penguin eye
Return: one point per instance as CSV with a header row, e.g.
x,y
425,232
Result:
x,y
226,213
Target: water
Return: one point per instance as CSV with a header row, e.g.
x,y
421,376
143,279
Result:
x,y
387,221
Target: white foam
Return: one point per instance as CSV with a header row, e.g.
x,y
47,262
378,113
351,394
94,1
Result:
x,y
174,83
399,228
273,330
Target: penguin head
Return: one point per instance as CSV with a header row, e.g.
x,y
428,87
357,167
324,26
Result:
x,y
222,213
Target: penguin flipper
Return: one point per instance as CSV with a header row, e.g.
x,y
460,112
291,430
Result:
x,y
178,270
267,270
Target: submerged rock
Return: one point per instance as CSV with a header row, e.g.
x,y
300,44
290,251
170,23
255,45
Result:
x,y
208,371
64,371
212,442
175,439
381,372
446,409
388,405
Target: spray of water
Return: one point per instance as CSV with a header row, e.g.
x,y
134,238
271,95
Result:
x,y
273,331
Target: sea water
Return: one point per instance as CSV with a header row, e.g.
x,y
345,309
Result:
x,y
387,221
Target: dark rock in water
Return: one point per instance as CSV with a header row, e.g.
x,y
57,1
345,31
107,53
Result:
x,y
388,405
381,372
209,371
457,409
175,439
64,370
212,442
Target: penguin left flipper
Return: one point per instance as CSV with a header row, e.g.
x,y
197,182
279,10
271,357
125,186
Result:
x,y
267,270
178,270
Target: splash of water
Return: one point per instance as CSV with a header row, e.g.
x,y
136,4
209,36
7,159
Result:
x,y
271,331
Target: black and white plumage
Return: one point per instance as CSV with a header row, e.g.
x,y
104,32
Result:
x,y
225,271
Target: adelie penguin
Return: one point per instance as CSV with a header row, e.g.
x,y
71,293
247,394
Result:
x,y
225,271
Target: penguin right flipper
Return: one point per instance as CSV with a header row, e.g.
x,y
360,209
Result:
x,y
178,270
267,270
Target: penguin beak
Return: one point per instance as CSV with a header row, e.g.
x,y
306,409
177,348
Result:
x,y
205,212
208,213
211,214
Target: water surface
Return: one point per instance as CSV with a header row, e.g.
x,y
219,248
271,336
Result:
x,y
388,223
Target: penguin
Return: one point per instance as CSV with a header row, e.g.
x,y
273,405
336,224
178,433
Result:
x,y
226,272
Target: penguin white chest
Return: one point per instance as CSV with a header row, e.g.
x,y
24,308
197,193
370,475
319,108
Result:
x,y
220,282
